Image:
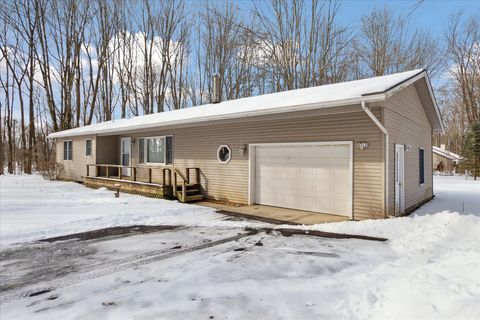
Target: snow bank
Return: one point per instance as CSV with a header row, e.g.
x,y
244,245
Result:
x,y
32,208
434,274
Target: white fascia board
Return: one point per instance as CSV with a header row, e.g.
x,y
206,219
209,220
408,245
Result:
x,y
411,81
446,154
437,110
253,113
405,84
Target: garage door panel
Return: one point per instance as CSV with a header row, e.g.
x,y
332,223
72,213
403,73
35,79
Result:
x,y
309,185
341,207
340,162
341,175
339,187
322,174
290,200
323,186
307,203
322,162
323,205
289,171
305,174
305,177
339,152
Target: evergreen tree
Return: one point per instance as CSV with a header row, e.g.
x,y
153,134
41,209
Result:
x,y
471,150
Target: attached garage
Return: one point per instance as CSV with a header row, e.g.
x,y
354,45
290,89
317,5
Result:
x,y
305,176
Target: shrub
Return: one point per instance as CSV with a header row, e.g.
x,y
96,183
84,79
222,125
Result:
x,y
50,170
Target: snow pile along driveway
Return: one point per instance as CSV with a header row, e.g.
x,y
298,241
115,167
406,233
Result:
x,y
436,271
433,272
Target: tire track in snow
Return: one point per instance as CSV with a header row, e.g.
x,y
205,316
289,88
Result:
x,y
147,258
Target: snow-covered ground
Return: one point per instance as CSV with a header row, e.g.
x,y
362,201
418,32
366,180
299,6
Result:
x,y
429,268
33,208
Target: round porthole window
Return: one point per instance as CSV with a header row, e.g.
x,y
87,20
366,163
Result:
x,y
224,154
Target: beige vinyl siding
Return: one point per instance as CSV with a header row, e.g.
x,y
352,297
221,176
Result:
x,y
76,168
407,124
197,146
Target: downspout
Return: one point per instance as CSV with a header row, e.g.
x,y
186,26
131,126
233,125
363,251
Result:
x,y
385,132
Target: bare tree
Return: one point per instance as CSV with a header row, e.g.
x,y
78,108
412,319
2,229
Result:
x,y
44,60
99,48
62,25
454,118
125,69
24,22
225,47
463,39
8,90
302,44
387,45
16,62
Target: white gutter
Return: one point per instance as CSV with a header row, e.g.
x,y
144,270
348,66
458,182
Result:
x,y
385,132
197,115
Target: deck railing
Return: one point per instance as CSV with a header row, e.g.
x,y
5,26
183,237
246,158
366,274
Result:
x,y
179,179
166,172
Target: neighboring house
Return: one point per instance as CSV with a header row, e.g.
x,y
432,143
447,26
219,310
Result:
x,y
445,161
360,149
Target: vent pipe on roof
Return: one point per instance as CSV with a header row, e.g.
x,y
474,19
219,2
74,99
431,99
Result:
x,y
217,93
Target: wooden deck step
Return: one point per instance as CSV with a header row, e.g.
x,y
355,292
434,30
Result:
x,y
196,197
189,186
190,198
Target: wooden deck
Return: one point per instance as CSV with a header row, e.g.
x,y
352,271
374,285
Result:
x,y
173,183
153,190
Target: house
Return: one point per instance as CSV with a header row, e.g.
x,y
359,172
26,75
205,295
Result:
x,y
361,149
444,160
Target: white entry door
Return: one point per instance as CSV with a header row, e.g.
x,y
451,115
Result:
x,y
125,155
313,177
399,179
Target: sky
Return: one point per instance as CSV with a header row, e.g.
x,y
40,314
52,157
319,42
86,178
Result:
x,y
432,15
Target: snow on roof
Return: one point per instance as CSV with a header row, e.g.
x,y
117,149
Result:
x,y
446,154
344,93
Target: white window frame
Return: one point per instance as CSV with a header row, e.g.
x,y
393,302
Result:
x,y
91,148
145,151
229,151
421,184
68,149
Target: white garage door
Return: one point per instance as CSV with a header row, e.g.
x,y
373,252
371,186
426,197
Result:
x,y
312,177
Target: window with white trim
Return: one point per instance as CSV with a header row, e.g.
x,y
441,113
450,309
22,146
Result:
x,y
67,150
155,150
421,166
88,147
224,154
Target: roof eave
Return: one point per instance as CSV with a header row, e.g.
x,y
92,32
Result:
x,y
304,107
434,101
422,74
